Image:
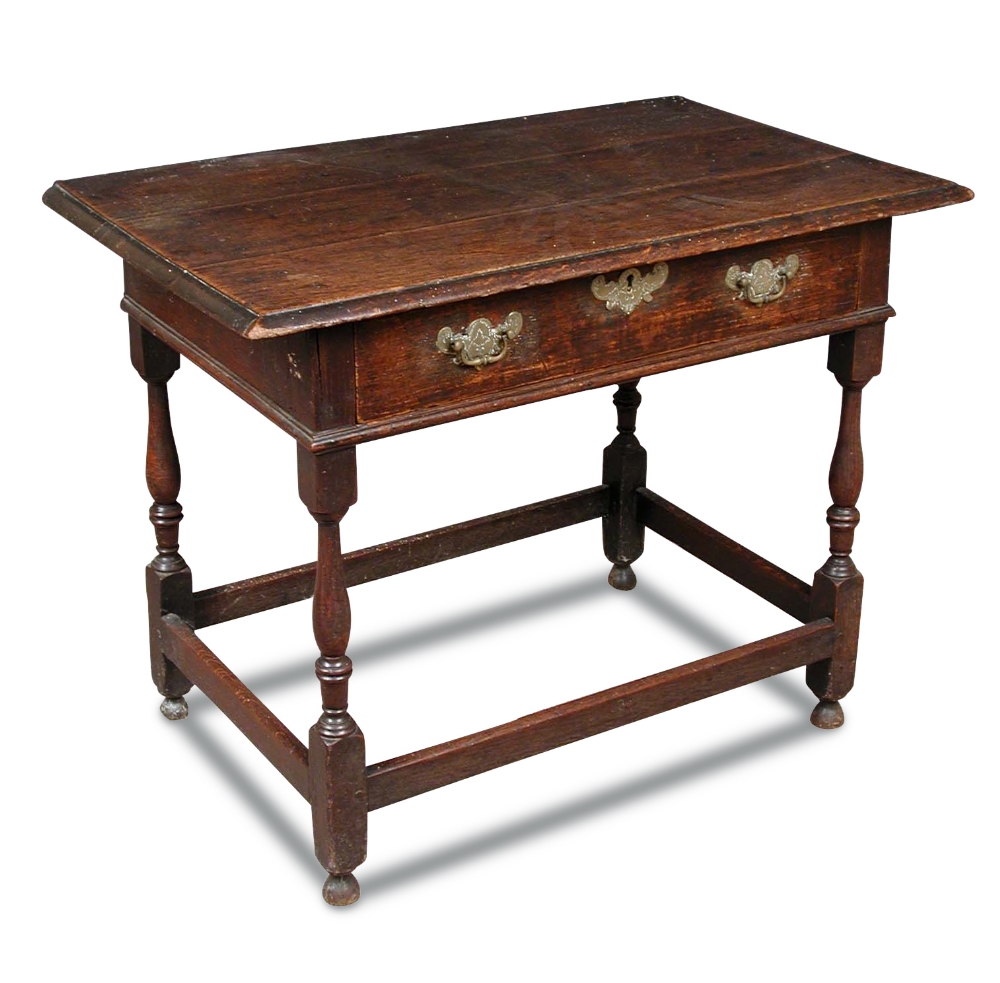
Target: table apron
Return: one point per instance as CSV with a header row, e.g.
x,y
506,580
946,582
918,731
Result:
x,y
346,384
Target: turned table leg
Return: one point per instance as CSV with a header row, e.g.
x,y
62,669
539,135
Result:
x,y
624,473
168,579
338,789
855,358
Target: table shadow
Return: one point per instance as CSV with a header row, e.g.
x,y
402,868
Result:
x,y
543,821
584,807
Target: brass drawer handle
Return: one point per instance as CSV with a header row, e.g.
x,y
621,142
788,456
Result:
x,y
480,343
765,281
630,289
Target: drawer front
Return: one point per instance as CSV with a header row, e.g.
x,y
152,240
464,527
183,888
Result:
x,y
567,331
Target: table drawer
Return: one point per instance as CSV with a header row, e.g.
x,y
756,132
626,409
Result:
x,y
565,330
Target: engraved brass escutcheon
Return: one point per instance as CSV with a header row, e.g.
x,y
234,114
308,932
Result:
x,y
765,281
480,343
630,289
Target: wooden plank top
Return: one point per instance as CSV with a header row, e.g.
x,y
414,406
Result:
x,y
284,241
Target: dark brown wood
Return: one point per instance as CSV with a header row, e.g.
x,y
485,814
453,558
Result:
x,y
156,363
314,282
168,579
873,283
167,593
624,474
306,383
489,190
293,240
412,774
744,566
567,331
855,358
361,163
272,590
267,404
474,535
264,730
743,339
227,602
163,478
304,390
472,404
337,787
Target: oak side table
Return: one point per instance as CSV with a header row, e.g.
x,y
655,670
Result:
x,y
353,290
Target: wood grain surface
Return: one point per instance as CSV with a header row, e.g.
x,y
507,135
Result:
x,y
284,241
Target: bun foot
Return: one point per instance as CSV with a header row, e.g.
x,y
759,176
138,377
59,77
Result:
x,y
828,715
174,708
341,889
622,577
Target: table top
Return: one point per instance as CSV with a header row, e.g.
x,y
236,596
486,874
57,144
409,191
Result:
x,y
288,240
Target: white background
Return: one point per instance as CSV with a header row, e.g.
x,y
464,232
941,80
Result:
x,y
725,840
